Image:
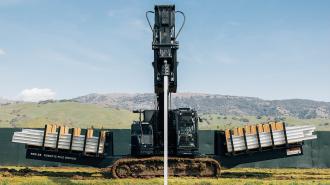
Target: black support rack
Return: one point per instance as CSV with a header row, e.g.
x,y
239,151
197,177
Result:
x,y
232,142
98,143
285,135
258,136
272,135
245,141
58,137
85,141
44,138
71,139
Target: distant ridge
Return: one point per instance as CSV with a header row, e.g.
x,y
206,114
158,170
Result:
x,y
217,104
114,111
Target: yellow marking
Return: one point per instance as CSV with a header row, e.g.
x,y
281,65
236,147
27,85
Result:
x,y
227,133
64,130
76,131
240,131
54,127
260,128
247,129
272,124
253,129
235,132
89,133
103,136
48,128
266,127
279,126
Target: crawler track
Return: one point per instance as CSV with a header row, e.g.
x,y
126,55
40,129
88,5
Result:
x,y
153,167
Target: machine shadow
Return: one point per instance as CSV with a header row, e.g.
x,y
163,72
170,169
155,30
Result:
x,y
257,175
60,177
30,172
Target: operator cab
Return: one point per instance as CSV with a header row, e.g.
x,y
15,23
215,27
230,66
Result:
x,y
187,131
141,138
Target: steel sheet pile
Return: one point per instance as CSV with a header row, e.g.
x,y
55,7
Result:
x,y
272,134
35,138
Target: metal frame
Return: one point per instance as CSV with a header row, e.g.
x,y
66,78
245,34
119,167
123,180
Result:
x,y
285,134
258,137
232,142
245,142
58,137
71,139
272,136
44,138
85,141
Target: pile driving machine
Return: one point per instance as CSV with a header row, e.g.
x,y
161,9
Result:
x,y
232,147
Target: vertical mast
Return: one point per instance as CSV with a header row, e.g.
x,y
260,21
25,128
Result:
x,y
165,47
165,72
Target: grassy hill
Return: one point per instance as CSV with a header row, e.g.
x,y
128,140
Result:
x,y
216,121
72,114
75,114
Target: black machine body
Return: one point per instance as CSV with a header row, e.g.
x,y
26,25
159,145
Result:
x,y
147,133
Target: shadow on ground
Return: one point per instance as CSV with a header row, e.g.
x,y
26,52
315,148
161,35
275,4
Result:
x,y
86,175
31,172
257,175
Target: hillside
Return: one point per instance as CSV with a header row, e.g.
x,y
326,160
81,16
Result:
x,y
217,104
113,111
73,114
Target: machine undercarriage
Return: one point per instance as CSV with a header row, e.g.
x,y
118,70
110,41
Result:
x,y
146,167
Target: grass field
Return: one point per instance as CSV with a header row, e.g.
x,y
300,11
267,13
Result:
x,y
84,176
73,114
215,121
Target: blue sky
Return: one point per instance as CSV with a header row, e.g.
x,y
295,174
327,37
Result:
x,y
272,49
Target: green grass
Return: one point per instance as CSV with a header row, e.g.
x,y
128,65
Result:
x,y
215,121
33,115
73,114
237,176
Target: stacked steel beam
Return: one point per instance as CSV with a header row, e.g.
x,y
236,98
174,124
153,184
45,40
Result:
x,y
60,138
266,135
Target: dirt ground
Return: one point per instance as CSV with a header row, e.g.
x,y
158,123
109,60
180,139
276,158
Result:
x,y
81,176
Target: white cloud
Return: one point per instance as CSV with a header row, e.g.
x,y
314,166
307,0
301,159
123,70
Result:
x,y
36,94
2,52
